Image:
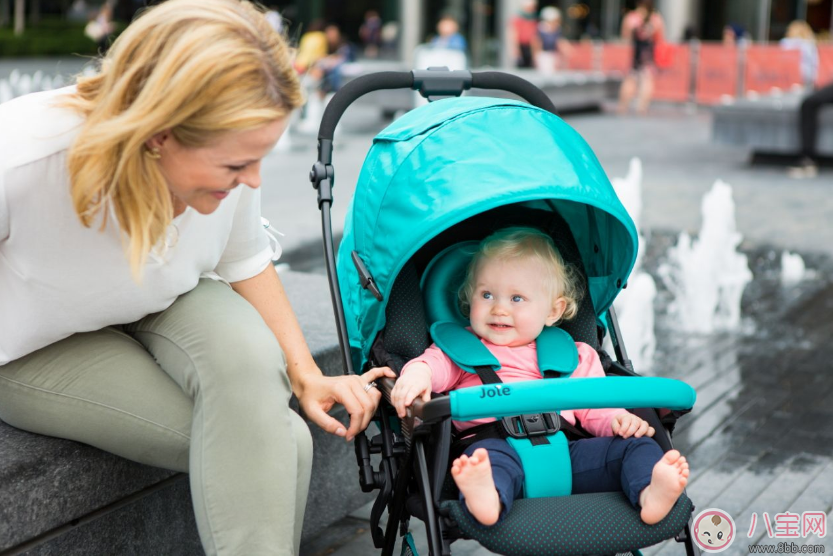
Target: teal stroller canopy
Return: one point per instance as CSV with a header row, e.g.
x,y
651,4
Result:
x,y
454,158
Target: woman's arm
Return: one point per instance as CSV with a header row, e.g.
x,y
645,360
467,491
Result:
x,y
316,393
627,29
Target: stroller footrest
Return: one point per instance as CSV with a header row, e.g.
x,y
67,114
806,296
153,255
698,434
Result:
x,y
599,523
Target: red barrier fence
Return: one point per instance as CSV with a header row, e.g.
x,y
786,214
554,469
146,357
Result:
x,y
582,57
825,74
771,67
674,82
717,74
709,72
617,58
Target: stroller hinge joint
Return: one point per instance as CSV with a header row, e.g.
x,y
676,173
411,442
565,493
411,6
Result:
x,y
365,278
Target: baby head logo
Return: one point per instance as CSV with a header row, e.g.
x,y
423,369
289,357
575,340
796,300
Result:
x,y
714,530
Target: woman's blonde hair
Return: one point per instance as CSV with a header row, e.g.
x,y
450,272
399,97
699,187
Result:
x,y
199,68
522,243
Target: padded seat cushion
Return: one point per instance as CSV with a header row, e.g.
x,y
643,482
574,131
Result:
x,y
599,523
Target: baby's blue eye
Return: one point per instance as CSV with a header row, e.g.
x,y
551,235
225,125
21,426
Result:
x,y
487,295
517,298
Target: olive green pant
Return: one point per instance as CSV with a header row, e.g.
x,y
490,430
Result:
x,y
200,387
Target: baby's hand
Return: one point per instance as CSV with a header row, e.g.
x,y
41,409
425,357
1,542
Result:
x,y
415,383
628,424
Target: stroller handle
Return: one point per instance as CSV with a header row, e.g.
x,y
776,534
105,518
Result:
x,y
535,396
430,83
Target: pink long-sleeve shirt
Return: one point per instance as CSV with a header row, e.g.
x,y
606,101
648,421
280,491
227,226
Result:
x,y
518,363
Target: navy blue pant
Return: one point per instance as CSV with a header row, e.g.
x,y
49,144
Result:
x,y
604,464
611,463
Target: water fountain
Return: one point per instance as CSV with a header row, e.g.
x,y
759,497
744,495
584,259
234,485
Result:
x,y
707,275
19,84
635,304
793,269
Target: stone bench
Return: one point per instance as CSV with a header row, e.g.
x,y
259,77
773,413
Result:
x,y
65,498
768,125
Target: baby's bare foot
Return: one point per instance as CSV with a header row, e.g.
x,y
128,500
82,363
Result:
x,y
668,479
473,476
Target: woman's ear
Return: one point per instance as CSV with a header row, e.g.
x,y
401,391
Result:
x,y
158,140
558,308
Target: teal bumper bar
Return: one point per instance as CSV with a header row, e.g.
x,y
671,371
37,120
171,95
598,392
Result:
x,y
538,396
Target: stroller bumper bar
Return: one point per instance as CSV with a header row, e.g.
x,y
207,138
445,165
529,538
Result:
x,y
535,396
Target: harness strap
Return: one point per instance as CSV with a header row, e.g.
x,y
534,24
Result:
x,y
487,375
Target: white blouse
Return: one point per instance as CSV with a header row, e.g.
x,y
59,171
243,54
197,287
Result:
x,y
58,278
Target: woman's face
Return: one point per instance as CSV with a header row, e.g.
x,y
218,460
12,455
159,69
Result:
x,y
201,177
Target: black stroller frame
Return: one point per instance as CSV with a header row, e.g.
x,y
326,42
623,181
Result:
x,y
421,449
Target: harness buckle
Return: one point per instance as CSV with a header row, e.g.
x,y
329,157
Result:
x,y
531,424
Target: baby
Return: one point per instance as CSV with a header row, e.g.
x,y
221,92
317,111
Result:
x,y
516,285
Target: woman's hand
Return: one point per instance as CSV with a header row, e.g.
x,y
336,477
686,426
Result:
x,y
317,394
628,424
415,383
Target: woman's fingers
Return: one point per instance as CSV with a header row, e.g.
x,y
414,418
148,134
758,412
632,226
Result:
x,y
321,418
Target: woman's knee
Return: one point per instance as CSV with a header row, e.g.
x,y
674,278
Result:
x,y
243,357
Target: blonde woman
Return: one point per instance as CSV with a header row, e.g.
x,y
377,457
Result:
x,y
116,196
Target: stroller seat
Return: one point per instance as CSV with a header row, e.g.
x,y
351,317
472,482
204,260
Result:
x,y
565,524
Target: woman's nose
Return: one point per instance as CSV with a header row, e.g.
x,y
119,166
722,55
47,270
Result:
x,y
251,175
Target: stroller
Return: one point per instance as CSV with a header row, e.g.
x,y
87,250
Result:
x,y
435,182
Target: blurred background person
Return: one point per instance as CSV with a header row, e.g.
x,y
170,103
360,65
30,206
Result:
x,y
554,48
523,34
100,27
327,70
800,37
808,129
734,34
448,34
370,33
644,28
312,47
390,39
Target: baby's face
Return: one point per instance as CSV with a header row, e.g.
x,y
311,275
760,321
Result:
x,y
713,531
511,302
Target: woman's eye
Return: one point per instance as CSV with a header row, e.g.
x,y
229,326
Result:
x,y
236,168
517,298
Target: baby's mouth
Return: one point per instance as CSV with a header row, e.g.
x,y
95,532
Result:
x,y
500,326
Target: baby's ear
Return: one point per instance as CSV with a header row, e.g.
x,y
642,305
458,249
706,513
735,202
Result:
x,y
558,308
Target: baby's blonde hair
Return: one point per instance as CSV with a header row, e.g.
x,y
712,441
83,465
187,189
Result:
x,y
199,68
522,243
